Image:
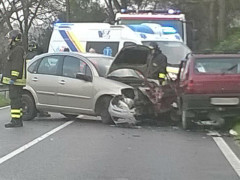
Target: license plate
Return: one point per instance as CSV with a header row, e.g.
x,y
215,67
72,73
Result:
x,y
224,101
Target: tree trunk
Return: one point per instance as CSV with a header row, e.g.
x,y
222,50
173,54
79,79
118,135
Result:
x,y
212,22
124,4
117,5
110,11
221,20
67,11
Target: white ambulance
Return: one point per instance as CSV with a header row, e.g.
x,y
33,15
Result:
x,y
107,39
103,38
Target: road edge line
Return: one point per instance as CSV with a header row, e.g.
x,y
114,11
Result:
x,y
228,153
31,143
4,107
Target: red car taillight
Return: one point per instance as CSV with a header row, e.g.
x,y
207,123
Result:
x,y
190,87
196,87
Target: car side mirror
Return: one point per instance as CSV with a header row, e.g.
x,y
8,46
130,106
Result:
x,y
84,77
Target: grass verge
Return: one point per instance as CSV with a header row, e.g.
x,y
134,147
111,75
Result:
x,y
4,101
237,127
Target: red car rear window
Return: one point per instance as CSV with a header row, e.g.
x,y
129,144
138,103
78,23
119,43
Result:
x,y
217,66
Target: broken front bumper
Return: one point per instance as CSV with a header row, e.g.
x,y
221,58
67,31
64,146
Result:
x,y
121,110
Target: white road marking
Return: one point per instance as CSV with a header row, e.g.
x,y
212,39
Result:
x,y
228,153
5,107
35,141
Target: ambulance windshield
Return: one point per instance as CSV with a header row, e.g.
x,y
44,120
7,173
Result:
x,y
175,51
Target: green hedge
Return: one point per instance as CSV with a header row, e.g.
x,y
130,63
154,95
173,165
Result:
x,y
4,101
237,127
231,43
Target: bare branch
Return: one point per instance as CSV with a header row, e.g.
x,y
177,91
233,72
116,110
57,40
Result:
x,y
5,16
34,14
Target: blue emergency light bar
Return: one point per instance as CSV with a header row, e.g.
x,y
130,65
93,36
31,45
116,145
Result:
x,y
140,28
168,30
146,29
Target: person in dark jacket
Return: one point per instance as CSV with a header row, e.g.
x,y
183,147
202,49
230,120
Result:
x,y
159,64
66,49
14,75
33,50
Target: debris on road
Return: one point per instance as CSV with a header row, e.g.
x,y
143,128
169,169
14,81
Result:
x,y
233,132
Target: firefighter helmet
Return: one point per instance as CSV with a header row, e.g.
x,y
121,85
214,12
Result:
x,y
14,35
32,46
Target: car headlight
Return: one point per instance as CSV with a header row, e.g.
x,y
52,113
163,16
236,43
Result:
x,y
129,102
122,105
123,102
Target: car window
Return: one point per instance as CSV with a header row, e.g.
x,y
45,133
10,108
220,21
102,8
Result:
x,y
101,64
33,67
175,51
106,48
73,65
49,65
217,66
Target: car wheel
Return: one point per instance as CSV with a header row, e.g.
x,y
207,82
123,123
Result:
x,y
105,116
70,116
29,108
186,121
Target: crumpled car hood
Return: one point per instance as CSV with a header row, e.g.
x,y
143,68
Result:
x,y
137,57
149,98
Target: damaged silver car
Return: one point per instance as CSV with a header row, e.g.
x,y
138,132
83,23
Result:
x,y
147,99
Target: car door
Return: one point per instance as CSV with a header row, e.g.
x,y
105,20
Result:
x,y
183,78
75,94
44,80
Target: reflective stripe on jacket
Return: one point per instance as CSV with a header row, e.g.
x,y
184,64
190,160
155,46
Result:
x,y
161,75
19,82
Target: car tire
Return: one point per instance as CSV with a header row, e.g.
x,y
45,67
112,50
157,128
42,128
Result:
x,y
70,116
29,108
186,121
105,116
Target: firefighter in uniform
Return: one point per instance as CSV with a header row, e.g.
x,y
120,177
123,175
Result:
x,y
32,50
159,64
14,75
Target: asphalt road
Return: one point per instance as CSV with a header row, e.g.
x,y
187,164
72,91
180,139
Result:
x,y
89,150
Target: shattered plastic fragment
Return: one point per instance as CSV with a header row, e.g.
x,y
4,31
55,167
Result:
x,y
233,132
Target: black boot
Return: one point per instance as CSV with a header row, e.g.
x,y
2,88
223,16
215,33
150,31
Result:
x,y
14,123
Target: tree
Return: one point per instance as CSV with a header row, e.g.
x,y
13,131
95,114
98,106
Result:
x,y
26,14
83,11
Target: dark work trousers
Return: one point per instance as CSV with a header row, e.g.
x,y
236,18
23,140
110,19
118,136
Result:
x,y
15,95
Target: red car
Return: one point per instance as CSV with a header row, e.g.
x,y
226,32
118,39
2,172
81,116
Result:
x,y
208,89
